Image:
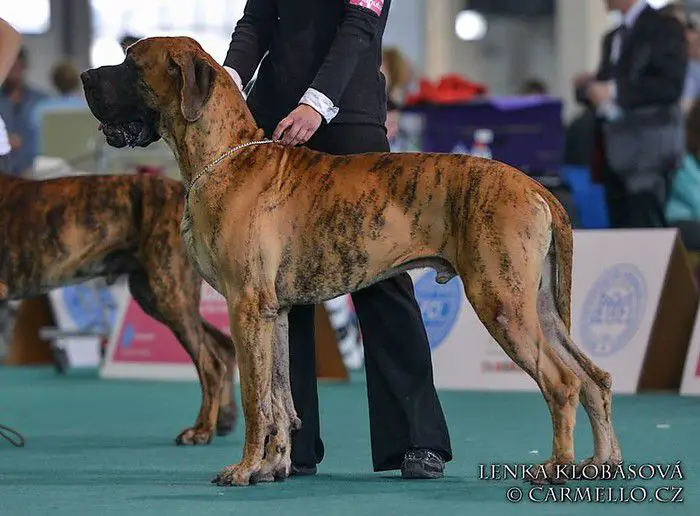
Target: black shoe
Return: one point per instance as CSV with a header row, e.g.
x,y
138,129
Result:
x,y
422,463
302,471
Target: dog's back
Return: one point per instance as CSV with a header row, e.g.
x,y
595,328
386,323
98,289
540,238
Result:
x,y
67,230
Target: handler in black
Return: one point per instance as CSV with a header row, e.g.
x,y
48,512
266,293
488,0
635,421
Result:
x,y
321,85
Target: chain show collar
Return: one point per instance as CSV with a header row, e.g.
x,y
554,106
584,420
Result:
x,y
221,158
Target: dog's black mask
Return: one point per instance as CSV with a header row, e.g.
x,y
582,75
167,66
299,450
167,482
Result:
x,y
113,94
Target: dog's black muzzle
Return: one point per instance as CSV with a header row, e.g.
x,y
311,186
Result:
x,y
112,96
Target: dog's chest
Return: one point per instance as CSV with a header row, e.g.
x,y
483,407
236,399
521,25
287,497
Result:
x,y
197,250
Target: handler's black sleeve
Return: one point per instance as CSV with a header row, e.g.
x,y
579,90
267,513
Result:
x,y
355,34
251,38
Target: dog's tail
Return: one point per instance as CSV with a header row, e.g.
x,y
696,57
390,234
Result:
x,y
563,250
563,254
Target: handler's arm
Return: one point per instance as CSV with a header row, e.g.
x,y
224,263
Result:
x,y
355,34
10,41
250,40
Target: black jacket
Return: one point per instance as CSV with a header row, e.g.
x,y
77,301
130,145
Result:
x,y
333,46
652,64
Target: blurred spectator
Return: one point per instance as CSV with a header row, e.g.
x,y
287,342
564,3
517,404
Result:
x,y
691,90
579,146
397,72
676,10
10,41
684,199
683,207
533,87
66,81
18,101
636,95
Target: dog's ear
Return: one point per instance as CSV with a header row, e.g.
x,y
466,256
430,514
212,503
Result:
x,y
197,78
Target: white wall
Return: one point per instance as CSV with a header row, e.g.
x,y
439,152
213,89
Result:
x,y
406,29
45,49
512,51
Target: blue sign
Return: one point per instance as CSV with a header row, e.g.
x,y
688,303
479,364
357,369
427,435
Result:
x,y
439,306
128,335
91,308
613,310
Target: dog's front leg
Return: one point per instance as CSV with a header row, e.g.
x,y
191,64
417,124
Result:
x,y
252,318
278,463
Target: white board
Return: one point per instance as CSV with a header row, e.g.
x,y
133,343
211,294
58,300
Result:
x,y
618,277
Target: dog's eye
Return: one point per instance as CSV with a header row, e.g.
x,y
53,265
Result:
x,y
172,67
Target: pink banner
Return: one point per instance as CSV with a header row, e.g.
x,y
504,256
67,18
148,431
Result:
x,y
145,340
375,6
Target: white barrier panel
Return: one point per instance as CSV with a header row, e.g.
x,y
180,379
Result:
x,y
142,348
91,306
618,277
690,385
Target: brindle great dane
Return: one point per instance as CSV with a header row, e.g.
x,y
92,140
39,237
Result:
x,y
272,226
64,231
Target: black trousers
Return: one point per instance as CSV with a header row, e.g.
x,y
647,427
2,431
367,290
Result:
x,y
642,209
5,164
404,409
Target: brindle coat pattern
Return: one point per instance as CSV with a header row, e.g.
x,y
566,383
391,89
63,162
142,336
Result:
x,y
65,231
273,226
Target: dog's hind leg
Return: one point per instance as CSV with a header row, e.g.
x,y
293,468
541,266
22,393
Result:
x,y
253,312
176,304
516,329
228,409
501,281
596,394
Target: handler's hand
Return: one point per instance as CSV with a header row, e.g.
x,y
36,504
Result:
x,y
599,92
298,126
15,142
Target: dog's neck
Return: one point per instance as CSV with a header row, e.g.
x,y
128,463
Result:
x,y
198,144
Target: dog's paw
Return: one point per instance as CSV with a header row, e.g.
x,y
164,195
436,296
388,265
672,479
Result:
x,y
238,475
194,436
284,469
228,417
259,477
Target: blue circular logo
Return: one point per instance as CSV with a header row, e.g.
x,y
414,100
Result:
x,y
439,306
91,307
613,310
128,335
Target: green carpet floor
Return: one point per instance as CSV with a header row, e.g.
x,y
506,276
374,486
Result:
x,y
97,447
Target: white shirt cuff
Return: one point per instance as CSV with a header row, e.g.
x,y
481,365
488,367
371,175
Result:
x,y
320,103
613,90
609,110
236,78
